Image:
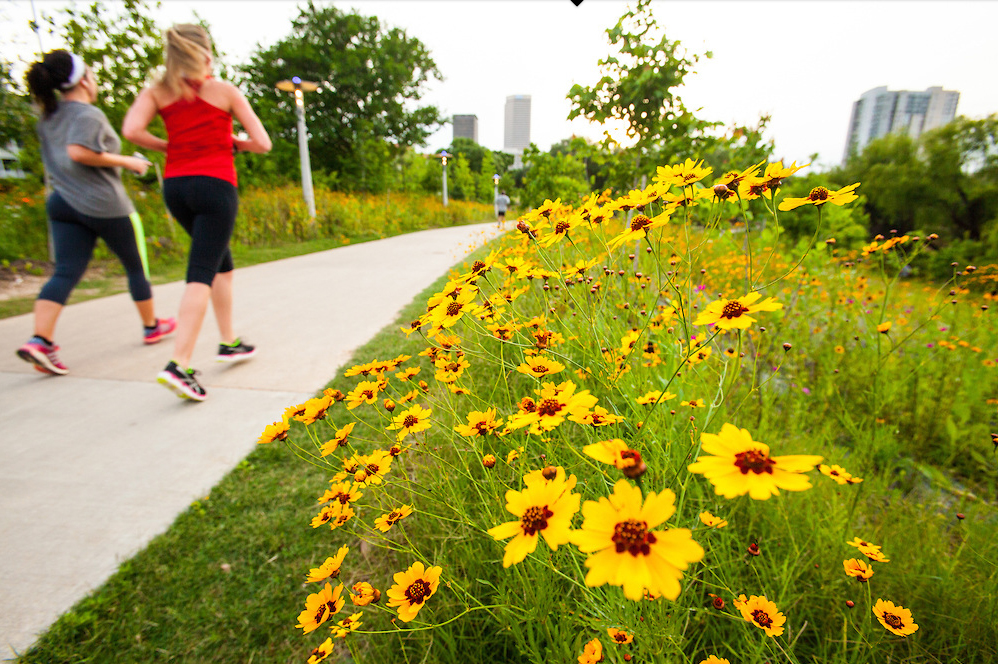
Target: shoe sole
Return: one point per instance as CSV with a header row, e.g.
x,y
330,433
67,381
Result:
x,y
235,358
41,362
179,388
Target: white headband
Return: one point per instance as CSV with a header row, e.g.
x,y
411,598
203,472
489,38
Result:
x,y
79,69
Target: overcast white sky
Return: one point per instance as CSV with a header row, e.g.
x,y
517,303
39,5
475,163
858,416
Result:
x,y
803,62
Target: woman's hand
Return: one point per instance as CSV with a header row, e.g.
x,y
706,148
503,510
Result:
x,y
137,165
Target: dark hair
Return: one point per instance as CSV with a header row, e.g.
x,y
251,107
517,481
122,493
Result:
x,y
47,76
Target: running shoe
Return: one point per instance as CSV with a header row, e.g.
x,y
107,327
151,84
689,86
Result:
x,y
42,354
163,327
183,383
235,352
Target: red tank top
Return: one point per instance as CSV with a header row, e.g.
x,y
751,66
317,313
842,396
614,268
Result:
x,y
199,140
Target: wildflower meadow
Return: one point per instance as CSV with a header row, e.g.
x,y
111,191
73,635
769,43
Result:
x,y
640,427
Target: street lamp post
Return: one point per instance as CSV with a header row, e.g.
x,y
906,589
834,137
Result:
x,y
495,194
299,88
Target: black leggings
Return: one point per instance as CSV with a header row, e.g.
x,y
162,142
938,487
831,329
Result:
x,y
206,208
74,236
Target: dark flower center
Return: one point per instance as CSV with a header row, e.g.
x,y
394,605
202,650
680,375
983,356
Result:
x,y
417,591
762,618
527,405
478,266
539,368
818,194
631,458
755,461
562,227
454,308
893,620
535,519
733,309
640,222
549,407
410,421
372,469
633,537
620,637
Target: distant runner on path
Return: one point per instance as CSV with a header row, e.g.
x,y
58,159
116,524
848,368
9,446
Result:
x,y
80,151
199,187
502,202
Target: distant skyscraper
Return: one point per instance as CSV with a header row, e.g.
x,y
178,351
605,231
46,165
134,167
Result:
x,y
517,131
466,126
880,111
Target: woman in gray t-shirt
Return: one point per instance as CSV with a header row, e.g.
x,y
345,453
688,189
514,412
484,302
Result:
x,y
80,151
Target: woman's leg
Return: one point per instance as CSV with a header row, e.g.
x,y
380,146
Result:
x,y
120,237
206,208
221,302
46,315
193,306
74,245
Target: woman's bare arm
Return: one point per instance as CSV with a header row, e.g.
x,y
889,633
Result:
x,y
258,140
88,157
135,127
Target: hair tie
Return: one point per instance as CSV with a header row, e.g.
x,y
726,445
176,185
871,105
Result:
x,y
79,69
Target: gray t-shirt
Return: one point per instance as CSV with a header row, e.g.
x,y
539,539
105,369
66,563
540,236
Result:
x,y
502,200
90,190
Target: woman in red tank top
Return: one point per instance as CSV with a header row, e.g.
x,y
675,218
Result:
x,y
199,187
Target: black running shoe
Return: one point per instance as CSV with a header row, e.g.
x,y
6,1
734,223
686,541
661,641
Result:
x,y
183,383
235,352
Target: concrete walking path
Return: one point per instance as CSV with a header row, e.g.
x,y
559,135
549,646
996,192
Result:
x,y
94,464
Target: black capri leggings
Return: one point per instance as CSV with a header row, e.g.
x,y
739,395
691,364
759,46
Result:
x,y
74,235
206,207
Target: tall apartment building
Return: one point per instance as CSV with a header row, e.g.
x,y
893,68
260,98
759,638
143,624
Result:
x,y
466,126
880,111
516,136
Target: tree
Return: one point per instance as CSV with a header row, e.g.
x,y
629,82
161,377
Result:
x,y
482,165
640,87
363,115
551,176
122,46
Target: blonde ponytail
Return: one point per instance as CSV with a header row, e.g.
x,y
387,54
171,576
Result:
x,y
188,47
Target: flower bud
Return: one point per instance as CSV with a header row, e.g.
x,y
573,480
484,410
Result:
x,y
850,603
489,460
549,473
389,405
